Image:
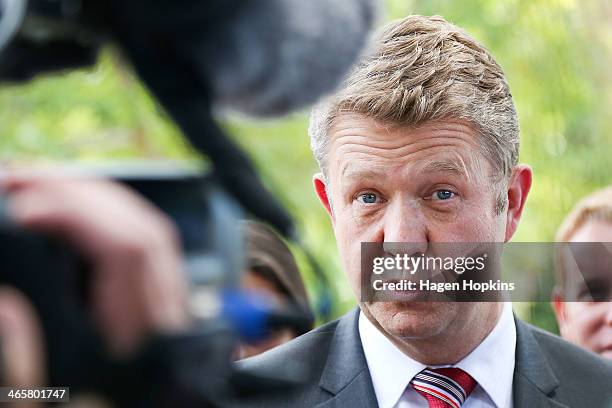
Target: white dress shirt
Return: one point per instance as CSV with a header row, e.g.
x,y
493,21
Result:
x,y
491,364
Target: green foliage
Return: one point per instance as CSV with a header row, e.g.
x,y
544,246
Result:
x,y
556,55
95,114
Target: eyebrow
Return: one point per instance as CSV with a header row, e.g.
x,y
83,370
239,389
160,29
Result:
x,y
351,173
361,174
444,167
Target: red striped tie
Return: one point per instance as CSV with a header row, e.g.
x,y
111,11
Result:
x,y
444,387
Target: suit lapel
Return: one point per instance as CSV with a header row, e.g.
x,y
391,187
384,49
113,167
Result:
x,y
534,381
527,395
346,376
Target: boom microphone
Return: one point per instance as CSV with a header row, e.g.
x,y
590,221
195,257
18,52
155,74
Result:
x,y
276,56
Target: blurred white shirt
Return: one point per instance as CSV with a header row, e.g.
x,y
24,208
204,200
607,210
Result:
x,y
491,364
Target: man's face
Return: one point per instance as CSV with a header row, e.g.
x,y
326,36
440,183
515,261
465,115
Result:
x,y
398,184
589,324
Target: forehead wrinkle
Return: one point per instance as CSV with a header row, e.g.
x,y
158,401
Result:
x,y
401,155
472,167
396,145
356,131
401,158
370,127
399,142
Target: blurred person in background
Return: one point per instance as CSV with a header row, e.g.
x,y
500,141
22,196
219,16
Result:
x,y
583,321
272,272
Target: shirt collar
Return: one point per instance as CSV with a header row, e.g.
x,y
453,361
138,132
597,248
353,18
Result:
x,y
495,354
391,370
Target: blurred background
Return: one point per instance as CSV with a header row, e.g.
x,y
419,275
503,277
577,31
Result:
x,y
556,54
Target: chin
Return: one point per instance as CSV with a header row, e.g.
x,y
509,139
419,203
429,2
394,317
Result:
x,y
413,320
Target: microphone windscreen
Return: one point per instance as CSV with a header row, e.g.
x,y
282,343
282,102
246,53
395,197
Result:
x,y
276,56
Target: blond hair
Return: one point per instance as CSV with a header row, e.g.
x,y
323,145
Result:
x,y
424,69
595,207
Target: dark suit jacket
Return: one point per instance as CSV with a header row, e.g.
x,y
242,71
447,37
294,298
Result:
x,y
549,372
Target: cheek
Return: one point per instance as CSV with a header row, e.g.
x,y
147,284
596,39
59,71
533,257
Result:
x,y
350,255
585,319
487,225
348,241
471,222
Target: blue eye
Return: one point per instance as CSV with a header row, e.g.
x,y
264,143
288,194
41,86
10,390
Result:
x,y
443,195
367,198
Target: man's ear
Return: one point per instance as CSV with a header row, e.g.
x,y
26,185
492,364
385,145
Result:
x,y
558,305
518,189
321,190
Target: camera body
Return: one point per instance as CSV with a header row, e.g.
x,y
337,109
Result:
x,y
57,281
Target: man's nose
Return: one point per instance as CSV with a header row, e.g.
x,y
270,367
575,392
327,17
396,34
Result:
x,y
404,223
